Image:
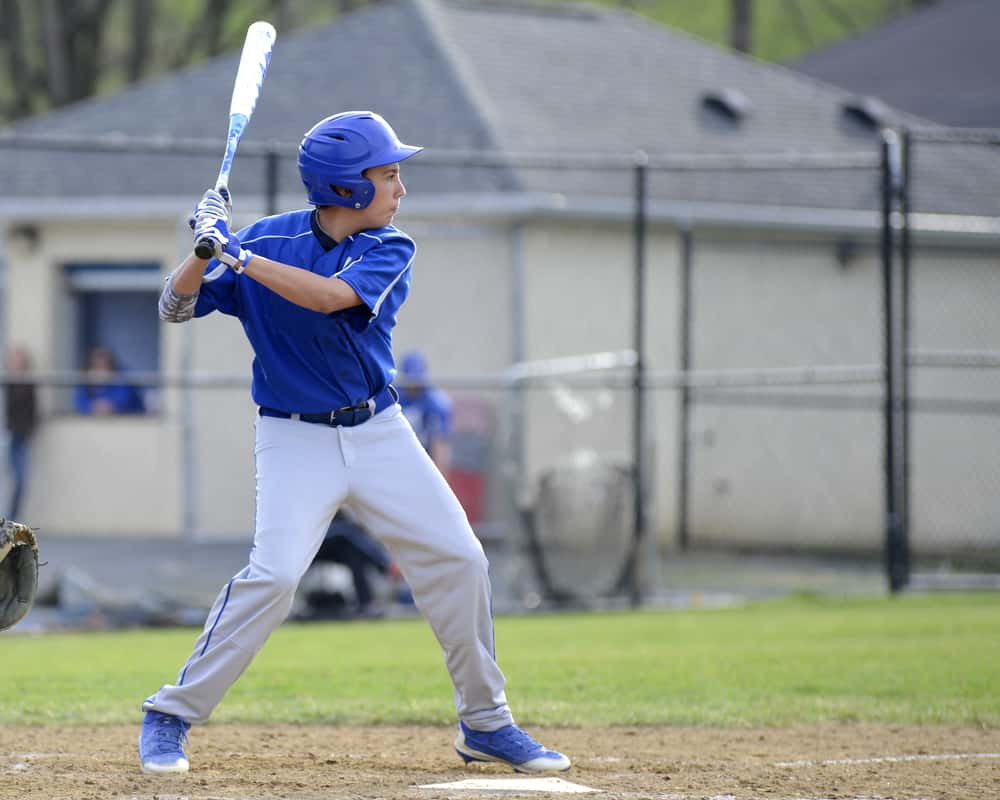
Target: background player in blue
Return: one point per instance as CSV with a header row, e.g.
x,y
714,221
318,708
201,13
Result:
x,y
317,293
426,407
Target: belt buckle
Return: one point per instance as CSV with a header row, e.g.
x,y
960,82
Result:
x,y
368,405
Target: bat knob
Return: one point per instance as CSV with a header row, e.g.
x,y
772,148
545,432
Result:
x,y
204,249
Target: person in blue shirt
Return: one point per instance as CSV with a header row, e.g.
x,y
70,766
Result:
x,y
22,413
347,543
317,292
105,395
426,407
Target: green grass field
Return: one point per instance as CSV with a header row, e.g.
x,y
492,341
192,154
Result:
x,y
906,660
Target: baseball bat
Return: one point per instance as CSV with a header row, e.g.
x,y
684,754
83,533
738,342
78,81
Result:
x,y
246,88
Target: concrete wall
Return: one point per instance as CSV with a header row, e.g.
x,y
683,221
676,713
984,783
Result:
x,y
89,475
766,474
786,475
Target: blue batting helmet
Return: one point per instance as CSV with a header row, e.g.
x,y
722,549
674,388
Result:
x,y
336,150
413,367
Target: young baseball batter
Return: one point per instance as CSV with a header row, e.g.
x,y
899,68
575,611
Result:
x,y
317,292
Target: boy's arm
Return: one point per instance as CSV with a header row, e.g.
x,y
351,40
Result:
x,y
180,293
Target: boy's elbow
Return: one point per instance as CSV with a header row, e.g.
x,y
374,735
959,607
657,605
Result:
x,y
336,296
327,305
174,312
335,299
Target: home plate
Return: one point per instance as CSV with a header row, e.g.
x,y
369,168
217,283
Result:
x,y
513,785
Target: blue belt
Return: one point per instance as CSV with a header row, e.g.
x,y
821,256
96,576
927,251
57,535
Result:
x,y
344,417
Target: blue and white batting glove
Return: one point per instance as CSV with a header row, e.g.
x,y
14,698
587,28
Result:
x,y
214,203
226,246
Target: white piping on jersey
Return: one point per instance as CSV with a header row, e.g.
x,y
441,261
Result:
x,y
221,268
277,236
381,297
351,262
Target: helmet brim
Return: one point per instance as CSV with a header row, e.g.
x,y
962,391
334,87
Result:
x,y
397,154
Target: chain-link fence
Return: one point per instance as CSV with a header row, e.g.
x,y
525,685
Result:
x,y
951,381
671,377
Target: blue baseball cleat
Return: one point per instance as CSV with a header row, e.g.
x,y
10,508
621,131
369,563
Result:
x,y
509,745
161,744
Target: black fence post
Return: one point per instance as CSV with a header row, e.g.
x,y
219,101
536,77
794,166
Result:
x,y
638,385
895,534
905,405
271,180
684,410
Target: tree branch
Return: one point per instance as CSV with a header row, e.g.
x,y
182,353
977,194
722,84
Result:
x,y
140,25
12,36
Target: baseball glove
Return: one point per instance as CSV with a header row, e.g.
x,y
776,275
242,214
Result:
x,y
18,572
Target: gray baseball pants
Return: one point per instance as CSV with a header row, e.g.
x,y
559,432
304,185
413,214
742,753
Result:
x,y
305,472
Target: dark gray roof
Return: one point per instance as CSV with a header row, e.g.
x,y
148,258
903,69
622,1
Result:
x,y
940,63
467,75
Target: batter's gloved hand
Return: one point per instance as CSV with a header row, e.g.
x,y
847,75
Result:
x,y
18,572
216,203
226,246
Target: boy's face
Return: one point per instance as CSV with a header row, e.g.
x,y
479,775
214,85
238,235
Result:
x,y
389,191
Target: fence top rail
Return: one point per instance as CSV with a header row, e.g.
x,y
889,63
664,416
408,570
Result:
x,y
117,143
613,368
776,160
955,359
955,135
820,375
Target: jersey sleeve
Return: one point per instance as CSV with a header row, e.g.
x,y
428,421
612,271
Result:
x,y
218,287
218,291
380,274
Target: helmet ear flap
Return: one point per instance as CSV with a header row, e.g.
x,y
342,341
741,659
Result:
x,y
351,198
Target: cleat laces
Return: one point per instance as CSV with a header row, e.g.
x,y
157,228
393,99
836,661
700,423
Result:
x,y
517,740
169,735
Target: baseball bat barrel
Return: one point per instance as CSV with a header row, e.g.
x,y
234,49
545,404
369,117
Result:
x,y
246,89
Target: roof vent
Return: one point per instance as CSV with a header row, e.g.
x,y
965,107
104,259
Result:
x,y
866,110
730,104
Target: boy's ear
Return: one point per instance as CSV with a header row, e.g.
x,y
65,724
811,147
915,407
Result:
x,y
343,192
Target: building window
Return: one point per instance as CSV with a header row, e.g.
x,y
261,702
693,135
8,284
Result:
x,y
113,306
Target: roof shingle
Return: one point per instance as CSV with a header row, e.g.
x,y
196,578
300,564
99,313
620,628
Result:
x,y
479,75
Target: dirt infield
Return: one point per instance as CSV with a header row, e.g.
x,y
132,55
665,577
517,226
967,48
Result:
x,y
333,763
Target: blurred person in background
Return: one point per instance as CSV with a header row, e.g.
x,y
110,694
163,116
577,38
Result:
x,y
350,544
426,407
104,397
21,404
428,410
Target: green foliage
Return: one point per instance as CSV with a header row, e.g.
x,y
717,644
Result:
x,y
176,33
906,660
782,30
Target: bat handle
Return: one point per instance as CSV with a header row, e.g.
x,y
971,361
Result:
x,y
204,248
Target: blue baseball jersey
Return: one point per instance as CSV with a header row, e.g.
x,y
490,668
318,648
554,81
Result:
x,y
306,361
429,413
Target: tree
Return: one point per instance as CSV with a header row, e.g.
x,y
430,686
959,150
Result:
x,y
741,26
60,51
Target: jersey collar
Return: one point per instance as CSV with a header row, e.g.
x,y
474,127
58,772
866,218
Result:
x,y
326,241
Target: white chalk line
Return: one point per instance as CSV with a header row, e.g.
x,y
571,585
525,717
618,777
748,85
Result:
x,y
676,796
886,759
